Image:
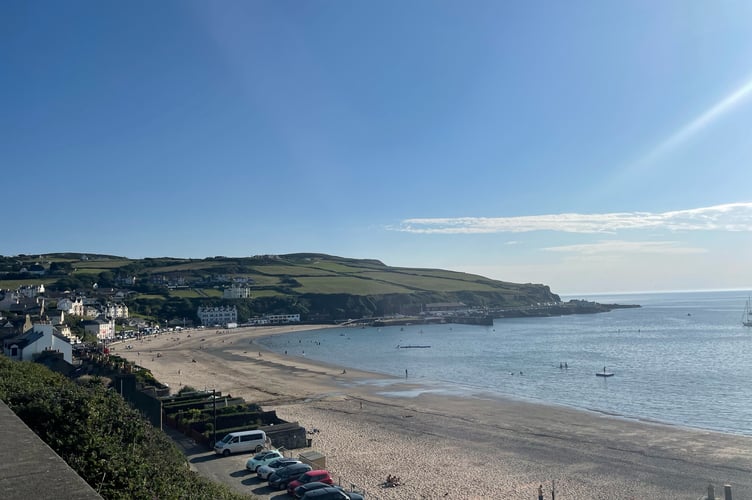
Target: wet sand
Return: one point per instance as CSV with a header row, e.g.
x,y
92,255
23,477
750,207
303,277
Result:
x,y
445,446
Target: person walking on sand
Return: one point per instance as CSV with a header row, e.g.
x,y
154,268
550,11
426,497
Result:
x,y
540,492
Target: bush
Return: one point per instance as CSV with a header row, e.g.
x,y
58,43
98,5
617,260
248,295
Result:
x,y
104,440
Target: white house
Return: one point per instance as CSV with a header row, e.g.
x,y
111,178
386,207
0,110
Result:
x,y
42,337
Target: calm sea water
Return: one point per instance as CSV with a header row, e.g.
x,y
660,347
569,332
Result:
x,y
682,358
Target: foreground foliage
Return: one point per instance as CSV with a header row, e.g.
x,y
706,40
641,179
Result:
x,y
105,441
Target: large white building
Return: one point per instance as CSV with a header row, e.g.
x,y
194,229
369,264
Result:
x,y
221,315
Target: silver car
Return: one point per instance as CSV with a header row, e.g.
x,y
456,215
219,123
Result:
x,y
265,471
263,458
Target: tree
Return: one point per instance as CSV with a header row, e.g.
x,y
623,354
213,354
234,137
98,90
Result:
x,y
106,279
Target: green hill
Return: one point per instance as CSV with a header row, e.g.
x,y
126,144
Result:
x,y
320,287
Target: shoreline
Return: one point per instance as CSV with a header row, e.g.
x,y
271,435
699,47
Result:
x,y
470,391
466,447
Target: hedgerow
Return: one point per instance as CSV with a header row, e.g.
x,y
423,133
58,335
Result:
x,y
104,440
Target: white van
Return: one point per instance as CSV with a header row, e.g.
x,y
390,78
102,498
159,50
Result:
x,y
238,442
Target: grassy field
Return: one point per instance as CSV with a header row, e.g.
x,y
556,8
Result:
x,y
429,282
149,296
13,284
100,265
185,294
280,270
91,270
198,265
347,284
265,293
337,267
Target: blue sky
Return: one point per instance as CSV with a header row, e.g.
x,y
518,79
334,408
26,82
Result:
x,y
593,146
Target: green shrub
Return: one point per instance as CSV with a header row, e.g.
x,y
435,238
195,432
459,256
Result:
x,y
104,440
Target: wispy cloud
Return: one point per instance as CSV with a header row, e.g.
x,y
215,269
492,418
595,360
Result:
x,y
728,217
627,247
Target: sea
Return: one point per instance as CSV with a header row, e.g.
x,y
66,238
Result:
x,y
682,358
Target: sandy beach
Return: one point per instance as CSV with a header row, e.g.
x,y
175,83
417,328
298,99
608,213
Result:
x,y
450,446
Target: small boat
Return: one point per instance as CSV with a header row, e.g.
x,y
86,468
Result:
x,y
604,373
747,316
414,346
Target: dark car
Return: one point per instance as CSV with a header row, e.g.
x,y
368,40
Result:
x,y
305,488
331,493
283,476
321,476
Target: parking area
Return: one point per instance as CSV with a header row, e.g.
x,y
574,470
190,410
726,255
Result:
x,y
229,470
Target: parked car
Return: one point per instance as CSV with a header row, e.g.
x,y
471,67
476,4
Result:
x,y
262,458
322,476
331,493
265,471
239,442
283,476
305,488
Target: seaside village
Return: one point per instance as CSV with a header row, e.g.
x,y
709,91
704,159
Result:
x,y
79,335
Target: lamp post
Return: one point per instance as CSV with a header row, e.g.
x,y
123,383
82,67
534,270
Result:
x,y
214,405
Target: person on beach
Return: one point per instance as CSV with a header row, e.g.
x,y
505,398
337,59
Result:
x,y
540,492
405,372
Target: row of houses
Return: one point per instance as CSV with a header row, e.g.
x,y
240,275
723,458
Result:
x,y
29,298
92,309
275,319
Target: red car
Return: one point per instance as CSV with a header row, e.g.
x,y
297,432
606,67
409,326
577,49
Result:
x,y
321,476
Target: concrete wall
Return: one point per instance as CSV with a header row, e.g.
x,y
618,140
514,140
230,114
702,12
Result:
x,y
30,469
